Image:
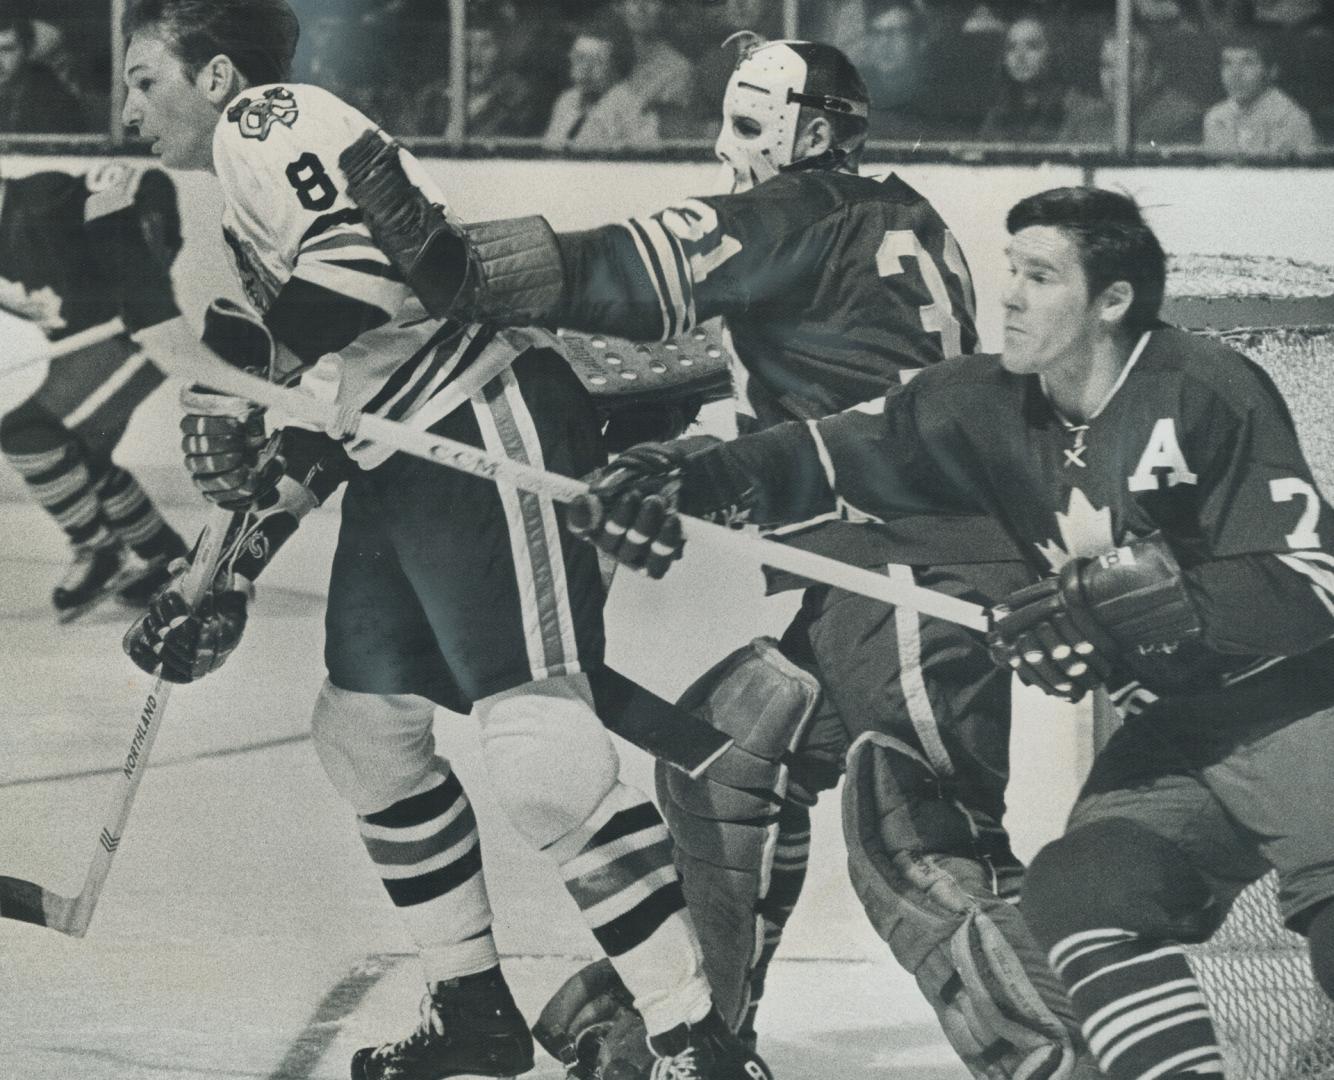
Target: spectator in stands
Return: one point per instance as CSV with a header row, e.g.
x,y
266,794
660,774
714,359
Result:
x,y
32,99
501,101
1160,113
599,111
660,76
1185,44
714,60
1256,119
1030,98
897,73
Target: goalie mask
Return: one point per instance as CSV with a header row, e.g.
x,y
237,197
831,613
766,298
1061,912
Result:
x,y
762,106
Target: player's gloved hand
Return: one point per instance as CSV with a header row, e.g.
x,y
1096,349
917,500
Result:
x,y
1067,634
630,509
232,460
633,507
182,645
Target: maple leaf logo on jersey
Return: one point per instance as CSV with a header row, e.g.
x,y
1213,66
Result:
x,y
41,306
1085,531
256,118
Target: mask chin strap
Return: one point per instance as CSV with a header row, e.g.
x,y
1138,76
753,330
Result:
x,y
833,158
836,156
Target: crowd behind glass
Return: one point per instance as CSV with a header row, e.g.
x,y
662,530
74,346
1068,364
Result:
x,y
1230,78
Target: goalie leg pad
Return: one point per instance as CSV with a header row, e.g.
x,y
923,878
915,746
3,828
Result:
x,y
932,901
725,823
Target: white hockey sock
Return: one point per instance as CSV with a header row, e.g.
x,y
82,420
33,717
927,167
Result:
x,y
426,850
618,867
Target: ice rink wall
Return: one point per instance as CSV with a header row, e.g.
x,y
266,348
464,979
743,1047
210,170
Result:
x,y
1259,211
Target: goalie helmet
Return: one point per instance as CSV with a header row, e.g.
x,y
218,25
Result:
x,y
765,95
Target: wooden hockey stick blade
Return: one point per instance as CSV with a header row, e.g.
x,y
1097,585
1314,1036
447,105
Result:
x,y
178,352
27,901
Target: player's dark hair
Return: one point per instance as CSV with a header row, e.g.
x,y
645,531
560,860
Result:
x,y
21,28
258,36
1114,242
829,73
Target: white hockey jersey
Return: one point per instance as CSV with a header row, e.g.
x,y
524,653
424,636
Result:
x,y
287,219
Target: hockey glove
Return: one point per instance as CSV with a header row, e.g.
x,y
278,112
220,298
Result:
x,y
575,1023
1069,633
231,458
180,645
502,271
633,506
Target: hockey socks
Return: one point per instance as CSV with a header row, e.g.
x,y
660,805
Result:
x,y
1141,1009
618,867
426,850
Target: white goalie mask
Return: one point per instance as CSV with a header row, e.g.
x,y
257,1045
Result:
x,y
762,107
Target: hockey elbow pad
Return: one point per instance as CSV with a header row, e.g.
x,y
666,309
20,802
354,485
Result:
x,y
1125,609
503,271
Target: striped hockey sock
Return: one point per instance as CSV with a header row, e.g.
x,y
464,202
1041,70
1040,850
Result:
x,y
427,852
786,878
134,519
618,867
60,483
1140,1007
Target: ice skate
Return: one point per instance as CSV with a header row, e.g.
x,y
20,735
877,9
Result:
x,y
707,1050
94,576
470,1027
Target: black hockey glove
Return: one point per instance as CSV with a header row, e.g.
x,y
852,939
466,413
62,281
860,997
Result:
x,y
501,271
182,645
633,506
231,459
1069,633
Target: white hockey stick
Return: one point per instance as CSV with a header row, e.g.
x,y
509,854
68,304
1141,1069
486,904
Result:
x,y
30,902
84,339
176,350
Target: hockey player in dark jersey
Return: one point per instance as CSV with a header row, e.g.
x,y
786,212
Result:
x,y
834,287
445,589
65,243
1181,556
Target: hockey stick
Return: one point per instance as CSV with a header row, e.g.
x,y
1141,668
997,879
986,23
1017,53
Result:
x,y
93,335
30,902
175,349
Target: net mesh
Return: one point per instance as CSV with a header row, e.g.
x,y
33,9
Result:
x,y
1273,1020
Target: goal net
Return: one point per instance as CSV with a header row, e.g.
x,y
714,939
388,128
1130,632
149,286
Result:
x,y
1272,1018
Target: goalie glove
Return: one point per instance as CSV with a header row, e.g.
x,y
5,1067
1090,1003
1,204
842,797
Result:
x,y
179,645
1112,614
633,508
231,458
508,272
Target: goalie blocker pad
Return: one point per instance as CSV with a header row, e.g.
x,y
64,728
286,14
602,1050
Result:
x,y
973,957
725,823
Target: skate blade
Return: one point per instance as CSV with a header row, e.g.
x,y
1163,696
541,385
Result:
x,y
122,579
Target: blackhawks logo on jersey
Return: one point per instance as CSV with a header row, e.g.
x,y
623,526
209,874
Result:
x,y
256,117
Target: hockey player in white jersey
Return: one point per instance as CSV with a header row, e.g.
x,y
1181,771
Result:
x,y
444,590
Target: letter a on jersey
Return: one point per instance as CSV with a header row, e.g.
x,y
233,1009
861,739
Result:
x,y
1162,460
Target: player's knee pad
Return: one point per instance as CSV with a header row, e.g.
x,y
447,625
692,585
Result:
x,y
552,761
1116,873
725,823
375,748
933,902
